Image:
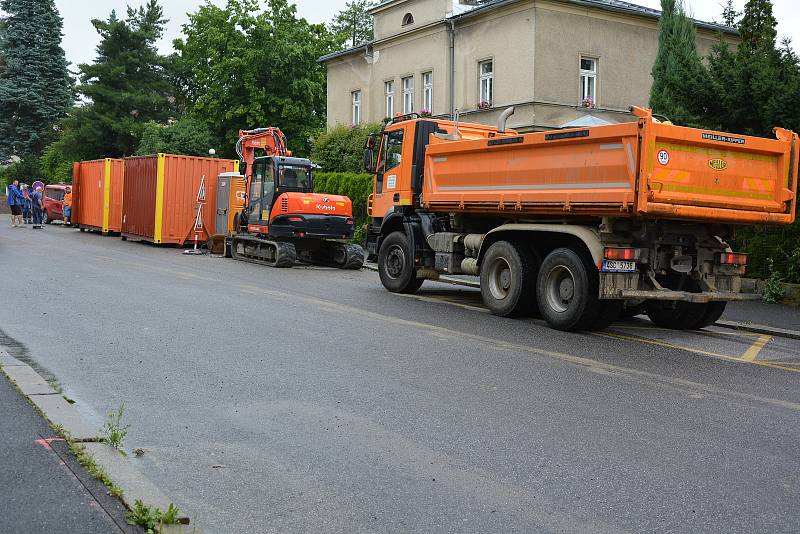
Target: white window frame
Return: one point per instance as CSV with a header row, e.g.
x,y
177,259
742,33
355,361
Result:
x,y
427,91
588,79
407,84
486,82
356,103
389,92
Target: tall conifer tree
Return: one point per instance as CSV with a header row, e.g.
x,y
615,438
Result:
x,y
35,85
680,80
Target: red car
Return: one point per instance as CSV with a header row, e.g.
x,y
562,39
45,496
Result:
x,y
53,203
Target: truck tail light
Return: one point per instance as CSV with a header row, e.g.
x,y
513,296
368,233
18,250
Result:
x,y
349,221
732,258
624,254
296,219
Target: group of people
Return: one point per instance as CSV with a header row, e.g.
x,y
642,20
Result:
x,y
27,204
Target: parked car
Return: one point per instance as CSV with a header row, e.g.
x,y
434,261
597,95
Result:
x,y
53,203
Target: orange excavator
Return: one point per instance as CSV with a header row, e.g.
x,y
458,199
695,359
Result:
x,y
283,220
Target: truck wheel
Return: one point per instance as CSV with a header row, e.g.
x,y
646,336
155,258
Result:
x,y
568,294
45,217
396,265
714,311
507,279
610,311
675,315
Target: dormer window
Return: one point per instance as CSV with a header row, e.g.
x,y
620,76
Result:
x,y
408,18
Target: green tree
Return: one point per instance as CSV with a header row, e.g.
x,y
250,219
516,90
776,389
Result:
x,y
354,22
758,27
126,86
188,137
730,16
680,80
242,68
756,86
35,85
55,166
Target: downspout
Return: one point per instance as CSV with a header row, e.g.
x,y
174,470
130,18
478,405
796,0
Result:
x,y
451,30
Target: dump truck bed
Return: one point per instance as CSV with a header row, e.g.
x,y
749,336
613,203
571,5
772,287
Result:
x,y
644,169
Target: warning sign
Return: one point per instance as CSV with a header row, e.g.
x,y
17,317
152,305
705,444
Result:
x,y
201,193
198,220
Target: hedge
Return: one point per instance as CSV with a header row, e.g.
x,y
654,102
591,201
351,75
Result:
x,y
355,186
341,149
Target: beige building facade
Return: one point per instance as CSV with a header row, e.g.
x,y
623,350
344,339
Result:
x,y
552,59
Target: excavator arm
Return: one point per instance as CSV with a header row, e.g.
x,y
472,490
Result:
x,y
270,140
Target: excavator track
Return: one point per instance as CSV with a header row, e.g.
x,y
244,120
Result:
x,y
331,254
279,254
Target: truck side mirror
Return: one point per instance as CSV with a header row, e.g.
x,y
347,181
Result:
x,y
369,154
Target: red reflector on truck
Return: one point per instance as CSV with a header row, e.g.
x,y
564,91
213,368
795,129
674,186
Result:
x,y
732,258
296,219
626,254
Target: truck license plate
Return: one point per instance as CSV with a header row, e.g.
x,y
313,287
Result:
x,y
616,266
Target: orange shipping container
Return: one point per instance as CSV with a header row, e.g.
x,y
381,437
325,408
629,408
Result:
x,y
160,199
97,194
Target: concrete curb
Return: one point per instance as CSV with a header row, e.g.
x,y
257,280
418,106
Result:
x,y
57,411
733,325
126,476
759,329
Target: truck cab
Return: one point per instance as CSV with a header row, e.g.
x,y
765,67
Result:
x,y
396,157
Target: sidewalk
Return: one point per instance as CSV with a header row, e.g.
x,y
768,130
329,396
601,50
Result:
x,y
43,487
761,313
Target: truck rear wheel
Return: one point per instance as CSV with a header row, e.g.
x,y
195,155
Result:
x,y
568,294
507,279
396,265
714,311
676,315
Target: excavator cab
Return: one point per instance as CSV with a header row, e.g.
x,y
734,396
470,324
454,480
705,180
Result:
x,y
273,178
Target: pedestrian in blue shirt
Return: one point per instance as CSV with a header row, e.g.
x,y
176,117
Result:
x,y
36,206
15,201
26,203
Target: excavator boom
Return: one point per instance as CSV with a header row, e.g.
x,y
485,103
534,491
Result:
x,y
270,140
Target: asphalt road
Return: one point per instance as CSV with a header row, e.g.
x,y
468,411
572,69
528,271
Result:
x,y
310,400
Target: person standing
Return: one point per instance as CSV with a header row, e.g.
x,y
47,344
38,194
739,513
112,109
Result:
x,y
37,205
15,203
67,204
26,203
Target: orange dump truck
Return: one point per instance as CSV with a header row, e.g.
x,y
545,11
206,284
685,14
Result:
x,y
579,225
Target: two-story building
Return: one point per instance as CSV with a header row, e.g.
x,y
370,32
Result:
x,y
557,61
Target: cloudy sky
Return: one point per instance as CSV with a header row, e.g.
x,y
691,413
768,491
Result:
x,y
80,38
